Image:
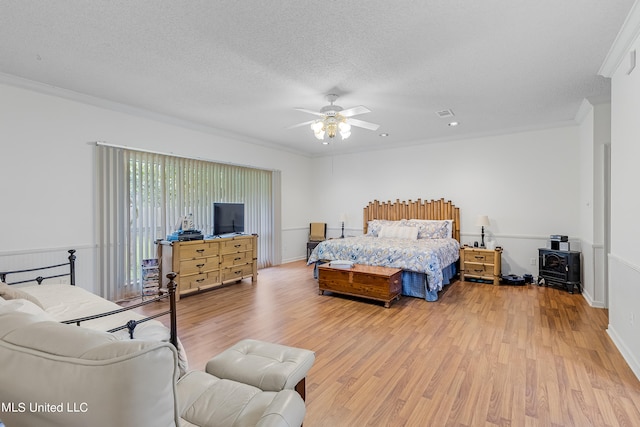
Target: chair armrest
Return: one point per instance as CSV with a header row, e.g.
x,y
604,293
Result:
x,y
286,410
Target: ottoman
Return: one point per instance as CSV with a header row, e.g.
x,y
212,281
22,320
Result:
x,y
267,366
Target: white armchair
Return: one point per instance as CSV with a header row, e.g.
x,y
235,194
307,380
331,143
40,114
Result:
x,y
58,375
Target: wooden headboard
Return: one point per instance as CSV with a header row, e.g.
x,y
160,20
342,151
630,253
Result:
x,y
432,209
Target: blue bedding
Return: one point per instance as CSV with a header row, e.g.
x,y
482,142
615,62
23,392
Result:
x,y
433,260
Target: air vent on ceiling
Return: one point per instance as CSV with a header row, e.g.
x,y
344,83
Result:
x,y
444,114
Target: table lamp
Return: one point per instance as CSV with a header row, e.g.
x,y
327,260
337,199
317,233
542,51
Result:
x,y
482,221
343,218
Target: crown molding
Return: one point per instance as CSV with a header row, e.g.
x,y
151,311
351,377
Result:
x,y
583,111
51,90
626,36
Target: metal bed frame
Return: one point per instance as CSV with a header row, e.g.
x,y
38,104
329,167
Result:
x,y
131,324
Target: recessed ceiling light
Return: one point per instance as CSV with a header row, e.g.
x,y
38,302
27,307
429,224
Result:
x,y
454,124
384,134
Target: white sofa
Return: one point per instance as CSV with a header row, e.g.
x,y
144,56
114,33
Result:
x,y
56,375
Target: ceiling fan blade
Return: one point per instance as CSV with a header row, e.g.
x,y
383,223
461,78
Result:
x,y
304,110
360,109
301,124
363,124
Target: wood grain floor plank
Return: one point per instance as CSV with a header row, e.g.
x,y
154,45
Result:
x,y
482,355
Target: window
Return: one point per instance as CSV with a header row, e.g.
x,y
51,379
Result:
x,y
141,196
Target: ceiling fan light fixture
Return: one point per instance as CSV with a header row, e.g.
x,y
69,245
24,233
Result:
x,y
332,128
334,119
345,128
317,126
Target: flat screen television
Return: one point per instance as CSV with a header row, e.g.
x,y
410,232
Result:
x,y
228,218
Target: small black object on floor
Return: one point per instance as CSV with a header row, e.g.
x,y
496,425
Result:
x,y
512,279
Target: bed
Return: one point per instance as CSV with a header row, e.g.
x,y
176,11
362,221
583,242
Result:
x,y
31,291
420,237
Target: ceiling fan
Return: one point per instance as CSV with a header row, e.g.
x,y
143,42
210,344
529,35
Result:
x,y
334,119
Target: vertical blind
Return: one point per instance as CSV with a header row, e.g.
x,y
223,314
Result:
x,y
141,197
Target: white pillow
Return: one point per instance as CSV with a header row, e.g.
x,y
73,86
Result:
x,y
375,225
431,228
24,306
399,232
12,292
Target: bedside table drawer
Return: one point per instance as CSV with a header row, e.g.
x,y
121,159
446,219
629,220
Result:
x,y
477,256
473,269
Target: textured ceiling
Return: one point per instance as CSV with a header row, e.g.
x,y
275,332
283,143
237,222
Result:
x,y
242,67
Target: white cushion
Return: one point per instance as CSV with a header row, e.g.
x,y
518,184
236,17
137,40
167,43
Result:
x,y
120,383
24,306
8,292
399,232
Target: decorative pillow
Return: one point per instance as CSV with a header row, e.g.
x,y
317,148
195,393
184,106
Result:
x,y
11,292
431,229
399,232
374,226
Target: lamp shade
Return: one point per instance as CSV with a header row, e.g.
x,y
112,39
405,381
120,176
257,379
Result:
x,y
482,221
343,217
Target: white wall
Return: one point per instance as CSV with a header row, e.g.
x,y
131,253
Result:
x,y
46,179
624,259
595,133
528,184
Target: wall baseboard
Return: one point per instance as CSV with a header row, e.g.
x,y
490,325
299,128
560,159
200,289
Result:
x,y
624,350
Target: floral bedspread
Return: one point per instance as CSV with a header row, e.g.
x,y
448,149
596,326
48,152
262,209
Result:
x,y
427,256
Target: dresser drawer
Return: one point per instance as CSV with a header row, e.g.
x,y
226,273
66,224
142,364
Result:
x,y
232,273
479,256
198,281
199,250
236,245
201,265
239,258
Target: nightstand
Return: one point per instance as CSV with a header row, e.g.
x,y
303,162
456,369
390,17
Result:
x,y
311,245
480,263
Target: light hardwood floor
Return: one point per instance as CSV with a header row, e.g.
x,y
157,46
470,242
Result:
x,y
482,355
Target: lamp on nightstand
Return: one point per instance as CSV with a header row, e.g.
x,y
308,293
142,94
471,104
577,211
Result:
x,y
482,221
343,218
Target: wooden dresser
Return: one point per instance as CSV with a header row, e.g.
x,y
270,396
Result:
x,y
479,263
206,264
377,283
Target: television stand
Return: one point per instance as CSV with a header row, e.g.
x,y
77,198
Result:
x,y
209,263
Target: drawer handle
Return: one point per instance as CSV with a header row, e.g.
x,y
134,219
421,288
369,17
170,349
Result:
x,y
200,265
237,259
200,250
479,257
237,272
237,246
478,271
200,280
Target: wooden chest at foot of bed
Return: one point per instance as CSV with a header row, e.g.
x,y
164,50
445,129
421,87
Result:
x,y
377,283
